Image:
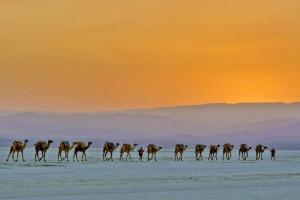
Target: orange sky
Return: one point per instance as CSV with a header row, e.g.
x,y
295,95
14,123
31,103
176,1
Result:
x,y
104,55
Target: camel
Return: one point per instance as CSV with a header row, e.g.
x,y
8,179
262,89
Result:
x,y
179,149
141,153
43,147
109,147
227,149
81,147
152,150
244,148
259,151
127,148
199,148
66,147
213,152
273,151
18,147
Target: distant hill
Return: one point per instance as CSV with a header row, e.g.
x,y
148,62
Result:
x,y
274,124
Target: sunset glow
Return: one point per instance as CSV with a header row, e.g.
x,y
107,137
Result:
x,y
109,55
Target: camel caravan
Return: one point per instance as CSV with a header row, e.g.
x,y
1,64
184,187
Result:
x,y
126,149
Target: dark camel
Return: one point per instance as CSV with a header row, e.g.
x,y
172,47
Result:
x,y
152,150
41,146
227,150
18,147
109,147
81,147
259,151
65,147
179,149
244,148
199,149
213,152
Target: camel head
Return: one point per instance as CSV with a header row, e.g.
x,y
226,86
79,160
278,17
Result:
x,y
204,146
90,143
50,142
218,145
265,147
135,145
159,148
249,148
26,141
117,144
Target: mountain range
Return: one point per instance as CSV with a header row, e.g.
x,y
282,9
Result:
x,y
273,124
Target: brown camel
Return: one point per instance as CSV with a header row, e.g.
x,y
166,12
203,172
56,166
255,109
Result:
x,y
81,147
227,149
109,147
66,147
179,149
18,147
213,152
199,148
244,148
41,146
152,150
127,148
259,151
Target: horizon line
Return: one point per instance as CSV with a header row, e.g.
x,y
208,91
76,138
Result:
x,y
146,108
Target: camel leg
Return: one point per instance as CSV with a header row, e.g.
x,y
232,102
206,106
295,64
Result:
x,y
17,156
82,156
103,154
121,156
175,156
216,156
22,156
129,156
111,156
42,156
13,156
67,155
59,156
148,157
35,156
75,155
9,154
223,155
155,157
181,156
85,156
45,156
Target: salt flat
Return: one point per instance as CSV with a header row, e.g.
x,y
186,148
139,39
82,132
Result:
x,y
164,179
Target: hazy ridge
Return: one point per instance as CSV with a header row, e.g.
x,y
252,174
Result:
x,y
275,124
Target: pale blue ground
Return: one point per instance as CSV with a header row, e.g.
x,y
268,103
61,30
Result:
x,y
165,179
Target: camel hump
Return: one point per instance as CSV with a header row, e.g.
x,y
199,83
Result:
x,y
65,143
17,142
